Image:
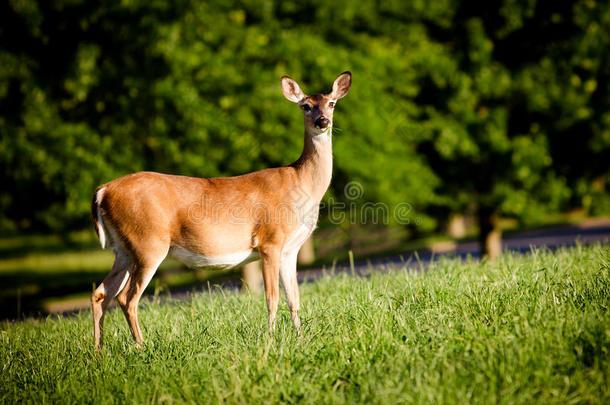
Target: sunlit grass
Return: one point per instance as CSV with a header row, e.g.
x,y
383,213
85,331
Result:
x,y
524,329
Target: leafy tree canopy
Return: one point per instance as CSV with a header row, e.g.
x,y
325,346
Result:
x,y
504,104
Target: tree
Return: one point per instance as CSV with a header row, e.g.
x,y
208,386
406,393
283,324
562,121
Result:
x,y
494,98
577,105
500,104
93,91
76,83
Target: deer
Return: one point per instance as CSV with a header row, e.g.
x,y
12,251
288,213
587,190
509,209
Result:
x,y
221,222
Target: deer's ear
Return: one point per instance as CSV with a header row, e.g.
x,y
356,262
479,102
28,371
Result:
x,y
341,85
291,90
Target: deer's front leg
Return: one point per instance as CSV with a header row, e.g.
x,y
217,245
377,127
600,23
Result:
x,y
270,257
288,275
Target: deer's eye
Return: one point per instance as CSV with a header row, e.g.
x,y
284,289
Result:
x,y
306,107
331,104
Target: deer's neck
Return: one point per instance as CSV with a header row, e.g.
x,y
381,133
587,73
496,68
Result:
x,y
315,166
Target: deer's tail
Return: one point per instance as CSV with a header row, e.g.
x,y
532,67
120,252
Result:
x,y
96,214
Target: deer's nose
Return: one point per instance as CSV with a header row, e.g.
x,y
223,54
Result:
x,y
322,122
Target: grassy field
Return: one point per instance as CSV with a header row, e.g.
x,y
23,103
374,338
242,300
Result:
x,y
524,329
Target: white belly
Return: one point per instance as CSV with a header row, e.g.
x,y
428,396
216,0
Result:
x,y
226,261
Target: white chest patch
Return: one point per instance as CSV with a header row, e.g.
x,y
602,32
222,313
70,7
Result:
x,y
301,234
227,261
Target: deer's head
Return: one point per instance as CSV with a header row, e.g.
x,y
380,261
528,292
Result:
x,y
318,108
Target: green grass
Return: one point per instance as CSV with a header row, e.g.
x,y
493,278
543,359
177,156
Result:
x,y
524,329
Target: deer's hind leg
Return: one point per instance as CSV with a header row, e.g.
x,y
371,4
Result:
x,y
106,291
144,269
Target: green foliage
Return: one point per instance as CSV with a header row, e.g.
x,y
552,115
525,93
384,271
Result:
x,y
523,329
504,104
505,98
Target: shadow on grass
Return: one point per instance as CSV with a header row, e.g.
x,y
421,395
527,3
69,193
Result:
x,y
24,293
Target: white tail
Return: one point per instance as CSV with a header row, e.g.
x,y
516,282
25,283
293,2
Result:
x,y
217,222
97,216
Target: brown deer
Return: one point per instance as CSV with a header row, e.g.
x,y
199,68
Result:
x,y
217,222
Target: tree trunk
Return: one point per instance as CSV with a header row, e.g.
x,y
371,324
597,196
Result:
x,y
456,228
252,277
490,236
307,254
